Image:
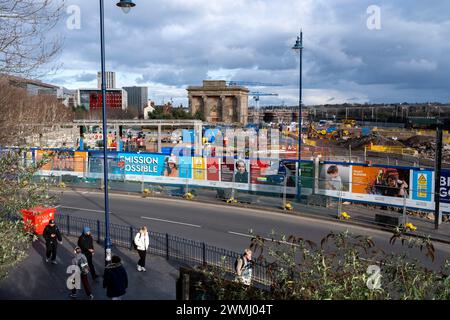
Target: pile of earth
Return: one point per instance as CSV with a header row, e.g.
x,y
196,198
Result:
x,y
426,146
376,139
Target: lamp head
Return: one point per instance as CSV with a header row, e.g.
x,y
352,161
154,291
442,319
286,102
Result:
x,y
298,44
125,5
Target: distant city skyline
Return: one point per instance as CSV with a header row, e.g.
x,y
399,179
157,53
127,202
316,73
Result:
x,y
171,44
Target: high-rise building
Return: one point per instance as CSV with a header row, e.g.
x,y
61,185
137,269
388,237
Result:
x,y
137,99
110,80
91,99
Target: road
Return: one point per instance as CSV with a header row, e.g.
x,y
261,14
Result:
x,y
219,225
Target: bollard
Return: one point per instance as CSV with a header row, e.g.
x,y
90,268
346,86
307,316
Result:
x,y
131,238
204,253
167,246
185,287
68,225
98,231
404,208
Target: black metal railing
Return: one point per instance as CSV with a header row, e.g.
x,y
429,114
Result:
x,y
188,251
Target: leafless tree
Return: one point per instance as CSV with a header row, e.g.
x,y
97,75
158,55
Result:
x,y
25,40
23,115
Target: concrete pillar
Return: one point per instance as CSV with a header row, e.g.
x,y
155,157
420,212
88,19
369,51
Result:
x,y
223,111
159,138
205,108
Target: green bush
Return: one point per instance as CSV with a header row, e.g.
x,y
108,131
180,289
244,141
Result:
x,y
336,269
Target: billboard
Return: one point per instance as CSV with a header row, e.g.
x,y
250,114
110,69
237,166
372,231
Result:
x,y
307,174
227,170
334,177
241,172
389,182
147,164
444,188
263,171
422,185
212,169
63,160
199,166
185,167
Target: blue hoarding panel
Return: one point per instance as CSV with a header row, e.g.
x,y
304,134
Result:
x,y
422,185
146,164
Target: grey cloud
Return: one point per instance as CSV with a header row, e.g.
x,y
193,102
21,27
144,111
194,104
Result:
x,y
176,43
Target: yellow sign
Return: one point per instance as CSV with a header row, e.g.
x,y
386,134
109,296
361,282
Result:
x,y
199,168
422,186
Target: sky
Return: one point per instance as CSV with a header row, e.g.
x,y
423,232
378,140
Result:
x,y
353,52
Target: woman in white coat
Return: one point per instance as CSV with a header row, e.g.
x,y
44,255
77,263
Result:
x,y
142,241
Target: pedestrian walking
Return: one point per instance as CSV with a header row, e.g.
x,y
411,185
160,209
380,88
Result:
x,y
244,267
52,236
141,241
86,243
115,279
81,261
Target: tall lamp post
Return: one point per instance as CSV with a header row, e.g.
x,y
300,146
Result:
x,y
298,47
125,5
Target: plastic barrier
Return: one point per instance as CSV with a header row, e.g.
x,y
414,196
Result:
x,y
38,218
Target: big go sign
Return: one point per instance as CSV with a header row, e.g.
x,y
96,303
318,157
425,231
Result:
x,y
444,189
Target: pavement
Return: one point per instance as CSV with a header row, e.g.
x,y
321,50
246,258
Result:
x,y
34,279
361,215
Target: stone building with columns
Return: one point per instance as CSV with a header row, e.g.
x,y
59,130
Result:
x,y
218,102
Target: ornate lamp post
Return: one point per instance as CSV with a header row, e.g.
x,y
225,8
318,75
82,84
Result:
x,y
126,5
298,47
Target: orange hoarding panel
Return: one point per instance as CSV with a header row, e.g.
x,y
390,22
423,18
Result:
x,y
63,160
362,178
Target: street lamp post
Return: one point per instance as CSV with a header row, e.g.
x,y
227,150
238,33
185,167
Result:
x,y
298,47
125,5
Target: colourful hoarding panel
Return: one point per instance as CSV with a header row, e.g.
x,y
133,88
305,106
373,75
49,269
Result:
x,y
227,170
64,160
390,182
241,173
307,174
444,188
422,185
261,170
212,169
146,164
199,166
334,177
185,164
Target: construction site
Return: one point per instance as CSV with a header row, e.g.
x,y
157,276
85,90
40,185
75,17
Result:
x,y
348,141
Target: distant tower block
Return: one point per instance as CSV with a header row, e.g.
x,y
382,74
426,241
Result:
x,y
219,102
110,80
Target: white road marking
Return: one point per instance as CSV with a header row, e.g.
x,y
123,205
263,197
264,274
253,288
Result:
x,y
175,222
84,209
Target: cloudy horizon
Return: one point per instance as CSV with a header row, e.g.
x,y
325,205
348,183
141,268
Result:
x,y
168,45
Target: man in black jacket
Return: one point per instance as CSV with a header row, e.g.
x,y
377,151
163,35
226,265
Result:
x,y
115,279
86,243
52,236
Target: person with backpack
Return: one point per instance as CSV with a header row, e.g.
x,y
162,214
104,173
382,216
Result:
x,y
86,243
244,267
115,279
81,261
141,242
52,236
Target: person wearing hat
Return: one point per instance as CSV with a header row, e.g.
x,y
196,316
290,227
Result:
x,y
86,243
391,185
172,168
80,260
52,236
115,279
